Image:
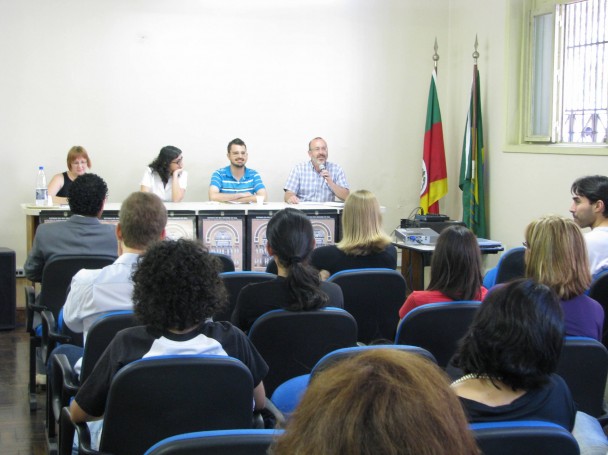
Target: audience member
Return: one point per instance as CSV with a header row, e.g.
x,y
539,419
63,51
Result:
x,y
290,240
82,233
165,176
455,271
177,289
378,402
510,354
142,221
364,243
590,210
316,180
236,182
556,256
78,163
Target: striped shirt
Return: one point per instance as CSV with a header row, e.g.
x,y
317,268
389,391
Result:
x,y
251,182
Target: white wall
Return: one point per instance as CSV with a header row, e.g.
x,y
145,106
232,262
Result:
x,y
125,77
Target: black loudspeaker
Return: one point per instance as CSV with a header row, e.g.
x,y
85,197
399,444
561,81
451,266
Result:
x,y
8,289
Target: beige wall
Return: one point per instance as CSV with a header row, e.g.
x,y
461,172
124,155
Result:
x,y
125,77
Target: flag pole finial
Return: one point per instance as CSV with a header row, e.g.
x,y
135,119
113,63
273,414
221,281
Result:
x,y
475,53
435,55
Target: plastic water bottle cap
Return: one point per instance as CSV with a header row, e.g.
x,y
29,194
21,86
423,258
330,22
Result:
x,y
40,168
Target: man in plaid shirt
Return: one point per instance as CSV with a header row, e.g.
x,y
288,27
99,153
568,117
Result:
x,y
316,180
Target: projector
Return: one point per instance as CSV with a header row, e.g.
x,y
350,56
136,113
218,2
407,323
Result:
x,y
416,236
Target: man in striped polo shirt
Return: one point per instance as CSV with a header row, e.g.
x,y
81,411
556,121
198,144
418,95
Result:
x,y
236,182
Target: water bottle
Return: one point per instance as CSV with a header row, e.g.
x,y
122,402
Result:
x,y
41,188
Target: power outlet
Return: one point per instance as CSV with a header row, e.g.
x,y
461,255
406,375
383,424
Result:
x,y
19,272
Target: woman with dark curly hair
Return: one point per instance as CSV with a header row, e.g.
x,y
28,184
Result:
x,y
177,289
165,176
290,241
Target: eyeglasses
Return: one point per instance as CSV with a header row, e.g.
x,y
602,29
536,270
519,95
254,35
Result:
x,y
178,161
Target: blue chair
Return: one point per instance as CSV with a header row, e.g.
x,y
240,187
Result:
x,y
234,282
510,266
287,396
437,327
373,296
224,442
599,291
584,366
524,438
291,342
154,398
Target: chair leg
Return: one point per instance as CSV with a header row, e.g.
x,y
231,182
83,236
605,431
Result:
x,y
34,343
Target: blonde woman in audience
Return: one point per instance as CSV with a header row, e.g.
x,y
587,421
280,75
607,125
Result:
x,y
556,256
165,176
382,401
78,163
364,243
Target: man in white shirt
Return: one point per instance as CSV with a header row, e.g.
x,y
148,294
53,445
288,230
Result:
x,y
142,222
590,209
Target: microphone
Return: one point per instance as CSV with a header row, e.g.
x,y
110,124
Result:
x,y
321,167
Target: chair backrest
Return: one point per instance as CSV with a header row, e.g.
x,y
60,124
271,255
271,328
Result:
x,y
227,262
511,265
437,327
101,332
340,354
373,297
223,442
584,366
57,276
524,438
234,282
291,342
154,398
599,291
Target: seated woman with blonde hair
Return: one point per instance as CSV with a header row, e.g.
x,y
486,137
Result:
x,y
381,401
364,243
556,255
78,164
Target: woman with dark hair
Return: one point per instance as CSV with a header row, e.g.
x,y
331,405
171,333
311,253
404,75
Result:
x,y
378,402
455,271
290,240
509,356
166,176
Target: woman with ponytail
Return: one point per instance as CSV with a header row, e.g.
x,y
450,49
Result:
x,y
290,241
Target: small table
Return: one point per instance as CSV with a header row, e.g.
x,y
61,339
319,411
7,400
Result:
x,y
415,257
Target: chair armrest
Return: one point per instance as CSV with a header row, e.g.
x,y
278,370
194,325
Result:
x,y
30,302
51,335
270,417
66,436
63,384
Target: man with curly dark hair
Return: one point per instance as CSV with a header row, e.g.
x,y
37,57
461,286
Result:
x,y
82,233
177,290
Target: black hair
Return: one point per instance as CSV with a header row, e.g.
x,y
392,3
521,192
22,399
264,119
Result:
x,y
594,188
291,238
516,337
235,141
456,264
87,194
177,285
162,162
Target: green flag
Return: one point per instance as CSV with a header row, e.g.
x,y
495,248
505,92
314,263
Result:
x,y
472,166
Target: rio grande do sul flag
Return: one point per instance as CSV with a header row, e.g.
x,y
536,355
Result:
x,y
472,166
434,175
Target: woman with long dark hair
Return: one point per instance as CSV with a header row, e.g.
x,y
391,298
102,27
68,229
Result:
x,y
165,176
455,271
290,241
